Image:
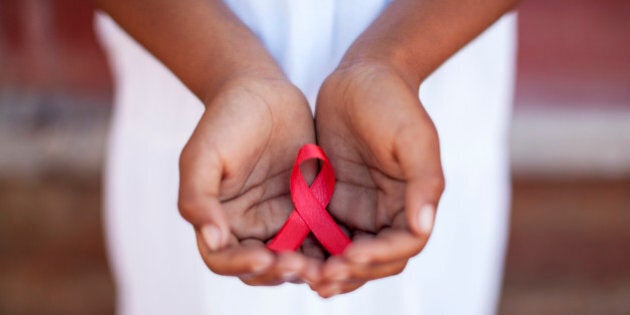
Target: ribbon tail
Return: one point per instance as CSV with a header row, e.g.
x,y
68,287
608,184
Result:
x,y
291,235
319,221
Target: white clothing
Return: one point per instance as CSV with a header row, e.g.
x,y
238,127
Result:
x,y
152,249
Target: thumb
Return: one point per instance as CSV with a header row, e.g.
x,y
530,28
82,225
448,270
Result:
x,y
421,200
419,156
198,202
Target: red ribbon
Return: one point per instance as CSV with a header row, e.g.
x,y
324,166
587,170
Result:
x,y
310,212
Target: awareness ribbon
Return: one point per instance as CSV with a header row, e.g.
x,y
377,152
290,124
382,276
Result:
x,y
310,212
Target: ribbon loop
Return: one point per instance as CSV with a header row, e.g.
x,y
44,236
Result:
x,y
310,212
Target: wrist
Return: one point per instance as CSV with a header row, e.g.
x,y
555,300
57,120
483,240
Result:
x,y
259,84
371,62
380,54
241,71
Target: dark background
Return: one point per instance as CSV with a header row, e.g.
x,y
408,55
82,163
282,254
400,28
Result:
x,y
569,249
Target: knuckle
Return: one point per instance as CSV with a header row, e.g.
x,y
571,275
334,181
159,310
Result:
x,y
435,184
439,184
398,268
186,155
418,246
221,263
216,269
188,206
212,264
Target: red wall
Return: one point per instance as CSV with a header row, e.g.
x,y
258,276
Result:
x,y
574,53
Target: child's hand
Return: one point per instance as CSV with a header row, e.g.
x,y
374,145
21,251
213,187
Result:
x,y
234,179
385,152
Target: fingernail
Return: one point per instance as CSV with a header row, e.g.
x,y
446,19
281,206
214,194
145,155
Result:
x,y
425,218
212,235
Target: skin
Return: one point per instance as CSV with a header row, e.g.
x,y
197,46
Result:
x,y
234,170
383,145
386,153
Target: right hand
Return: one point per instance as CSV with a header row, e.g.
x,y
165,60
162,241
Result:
x,y
386,154
234,179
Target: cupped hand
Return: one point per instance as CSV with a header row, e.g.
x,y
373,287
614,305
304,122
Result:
x,y
385,151
234,179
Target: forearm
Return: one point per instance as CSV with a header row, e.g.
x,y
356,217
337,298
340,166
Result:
x,y
201,41
417,36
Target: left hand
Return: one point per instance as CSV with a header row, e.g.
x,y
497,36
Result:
x,y
385,151
234,179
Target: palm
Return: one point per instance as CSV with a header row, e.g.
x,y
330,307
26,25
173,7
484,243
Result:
x,y
234,179
361,120
366,198
250,132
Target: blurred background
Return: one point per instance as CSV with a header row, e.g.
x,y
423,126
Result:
x,y
569,247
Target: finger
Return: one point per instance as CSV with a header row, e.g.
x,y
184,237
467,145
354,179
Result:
x,y
375,271
344,270
422,196
351,286
311,248
198,203
288,267
336,269
388,246
313,271
331,289
285,269
243,258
